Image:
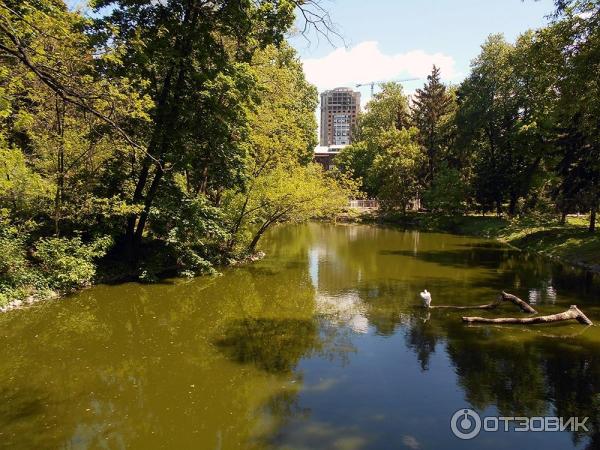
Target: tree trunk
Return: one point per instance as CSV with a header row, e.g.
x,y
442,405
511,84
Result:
x,y
563,217
512,206
238,223
592,227
147,162
573,313
147,205
502,297
257,236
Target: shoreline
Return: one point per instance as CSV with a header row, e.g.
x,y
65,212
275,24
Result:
x,y
525,235
570,244
49,295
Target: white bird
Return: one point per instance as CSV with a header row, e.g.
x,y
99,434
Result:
x,y
426,296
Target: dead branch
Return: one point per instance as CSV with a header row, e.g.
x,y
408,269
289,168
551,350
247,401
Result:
x,y
573,313
502,297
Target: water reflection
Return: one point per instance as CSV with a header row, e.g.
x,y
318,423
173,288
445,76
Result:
x,y
274,345
321,345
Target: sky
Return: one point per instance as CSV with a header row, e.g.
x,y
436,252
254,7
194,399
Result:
x,y
396,39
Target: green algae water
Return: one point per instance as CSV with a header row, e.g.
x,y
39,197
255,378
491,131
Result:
x,y
321,345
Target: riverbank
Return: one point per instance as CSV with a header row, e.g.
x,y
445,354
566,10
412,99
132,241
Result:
x,y
570,243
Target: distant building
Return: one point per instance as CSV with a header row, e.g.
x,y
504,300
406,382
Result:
x,y
339,108
326,155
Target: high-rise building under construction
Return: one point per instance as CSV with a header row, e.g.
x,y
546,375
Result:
x,y
339,108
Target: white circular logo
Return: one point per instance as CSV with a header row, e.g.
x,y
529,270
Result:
x,y
465,424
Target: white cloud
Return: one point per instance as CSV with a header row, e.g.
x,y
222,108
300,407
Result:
x,y
365,63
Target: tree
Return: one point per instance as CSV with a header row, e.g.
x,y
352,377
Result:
x,y
282,123
447,193
395,171
578,110
56,108
501,120
429,107
192,59
388,110
287,193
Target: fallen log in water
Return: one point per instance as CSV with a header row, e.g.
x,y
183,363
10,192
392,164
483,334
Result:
x,y
503,297
573,313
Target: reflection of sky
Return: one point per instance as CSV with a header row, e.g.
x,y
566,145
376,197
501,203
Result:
x,y
345,309
544,294
313,266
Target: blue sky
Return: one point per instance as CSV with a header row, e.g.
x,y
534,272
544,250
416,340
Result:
x,y
393,39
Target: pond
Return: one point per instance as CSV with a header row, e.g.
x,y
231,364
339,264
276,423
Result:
x,y
321,345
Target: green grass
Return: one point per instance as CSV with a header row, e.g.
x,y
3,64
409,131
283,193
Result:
x,y
570,243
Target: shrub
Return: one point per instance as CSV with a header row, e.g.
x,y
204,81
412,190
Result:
x,y
447,193
68,263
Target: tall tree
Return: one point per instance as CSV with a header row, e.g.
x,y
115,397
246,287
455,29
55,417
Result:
x,y
579,106
428,109
395,170
387,111
485,120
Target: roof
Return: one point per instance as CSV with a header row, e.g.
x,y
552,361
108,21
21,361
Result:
x,y
328,150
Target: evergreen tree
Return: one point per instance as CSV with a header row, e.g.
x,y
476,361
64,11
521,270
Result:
x,y
430,105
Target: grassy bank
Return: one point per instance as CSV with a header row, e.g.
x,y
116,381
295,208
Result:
x,y
570,243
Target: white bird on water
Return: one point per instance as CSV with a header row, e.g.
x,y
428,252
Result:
x,y
426,296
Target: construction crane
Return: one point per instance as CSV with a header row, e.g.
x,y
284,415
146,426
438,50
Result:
x,y
373,83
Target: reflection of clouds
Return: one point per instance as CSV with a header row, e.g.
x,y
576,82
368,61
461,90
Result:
x,y
323,385
324,435
313,266
410,442
346,309
534,295
545,294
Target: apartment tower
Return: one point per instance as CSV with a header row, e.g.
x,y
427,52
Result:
x,y
339,108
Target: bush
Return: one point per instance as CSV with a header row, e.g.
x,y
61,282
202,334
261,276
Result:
x,y
67,264
447,193
15,272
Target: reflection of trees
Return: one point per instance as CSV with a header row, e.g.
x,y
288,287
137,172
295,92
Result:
x,y
207,363
274,345
573,376
525,375
497,372
421,336
216,361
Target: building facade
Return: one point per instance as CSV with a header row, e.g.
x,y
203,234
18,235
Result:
x,y
326,155
339,109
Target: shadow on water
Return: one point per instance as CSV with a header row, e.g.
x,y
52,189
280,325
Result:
x,y
323,344
458,258
273,345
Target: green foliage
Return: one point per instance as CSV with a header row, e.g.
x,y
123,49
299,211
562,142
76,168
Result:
x,y
133,125
37,268
282,195
68,263
388,109
430,108
447,193
282,125
395,171
21,189
377,128
14,266
191,228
